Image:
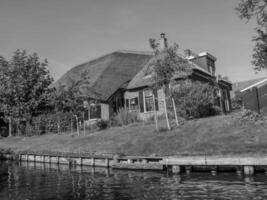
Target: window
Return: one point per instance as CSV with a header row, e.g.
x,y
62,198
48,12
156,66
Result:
x,y
95,112
148,95
132,103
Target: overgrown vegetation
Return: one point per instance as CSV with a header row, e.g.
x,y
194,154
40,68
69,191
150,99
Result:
x,y
237,101
124,117
194,99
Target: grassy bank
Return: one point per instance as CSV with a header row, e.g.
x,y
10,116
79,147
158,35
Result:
x,y
220,135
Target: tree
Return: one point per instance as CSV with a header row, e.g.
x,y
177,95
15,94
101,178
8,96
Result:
x,y
167,64
249,9
24,88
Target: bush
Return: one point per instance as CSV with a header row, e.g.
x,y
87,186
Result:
x,y
195,100
237,101
51,123
124,117
101,124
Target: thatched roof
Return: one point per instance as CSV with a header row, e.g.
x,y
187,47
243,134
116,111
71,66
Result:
x,y
144,78
105,75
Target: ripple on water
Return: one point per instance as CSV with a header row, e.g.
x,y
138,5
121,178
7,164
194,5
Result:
x,y
44,182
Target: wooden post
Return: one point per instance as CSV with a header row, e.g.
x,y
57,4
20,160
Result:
x,y
155,112
257,99
84,123
71,125
175,113
248,170
176,169
188,169
9,127
77,124
166,115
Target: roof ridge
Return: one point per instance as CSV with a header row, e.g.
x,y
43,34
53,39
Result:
x,y
135,52
253,85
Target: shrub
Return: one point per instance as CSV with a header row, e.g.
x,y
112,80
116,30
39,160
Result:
x,y
237,101
124,117
195,99
101,124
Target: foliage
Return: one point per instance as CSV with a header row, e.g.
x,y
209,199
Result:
x,y
195,99
249,9
237,101
24,90
50,123
166,64
124,117
101,124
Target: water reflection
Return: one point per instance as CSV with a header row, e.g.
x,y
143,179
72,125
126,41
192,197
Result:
x,y
52,182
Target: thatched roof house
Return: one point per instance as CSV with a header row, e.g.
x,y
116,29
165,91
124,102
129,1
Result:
x,y
121,79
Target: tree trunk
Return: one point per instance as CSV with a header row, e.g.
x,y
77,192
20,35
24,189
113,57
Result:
x,y
175,113
71,125
77,124
9,127
166,115
166,90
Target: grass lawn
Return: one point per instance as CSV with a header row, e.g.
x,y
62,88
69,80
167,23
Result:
x,y
219,135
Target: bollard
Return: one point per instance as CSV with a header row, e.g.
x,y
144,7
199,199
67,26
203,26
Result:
x,y
144,161
176,169
130,161
188,169
213,170
107,162
248,170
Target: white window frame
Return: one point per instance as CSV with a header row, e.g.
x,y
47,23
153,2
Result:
x,y
144,100
137,106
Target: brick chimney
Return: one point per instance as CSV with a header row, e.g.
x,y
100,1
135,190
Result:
x,y
162,42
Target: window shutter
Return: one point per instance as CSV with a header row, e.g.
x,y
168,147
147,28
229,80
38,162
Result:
x,y
141,100
127,103
156,99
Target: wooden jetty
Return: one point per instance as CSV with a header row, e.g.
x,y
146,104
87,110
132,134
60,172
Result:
x,y
183,164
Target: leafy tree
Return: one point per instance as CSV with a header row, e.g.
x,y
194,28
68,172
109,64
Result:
x,y
24,88
167,65
249,9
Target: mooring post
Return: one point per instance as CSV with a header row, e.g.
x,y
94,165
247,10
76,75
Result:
x,y
81,161
93,161
188,169
238,170
213,170
107,162
176,169
248,170
144,161
130,161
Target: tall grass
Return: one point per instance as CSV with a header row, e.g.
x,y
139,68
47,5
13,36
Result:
x,y
124,117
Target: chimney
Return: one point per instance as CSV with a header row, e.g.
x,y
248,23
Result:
x,y
188,53
162,42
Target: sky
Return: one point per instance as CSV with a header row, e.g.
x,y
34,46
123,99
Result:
x,y
71,32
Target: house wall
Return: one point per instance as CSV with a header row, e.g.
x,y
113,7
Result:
x,y
142,113
105,111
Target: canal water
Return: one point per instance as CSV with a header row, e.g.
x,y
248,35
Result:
x,y
28,181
